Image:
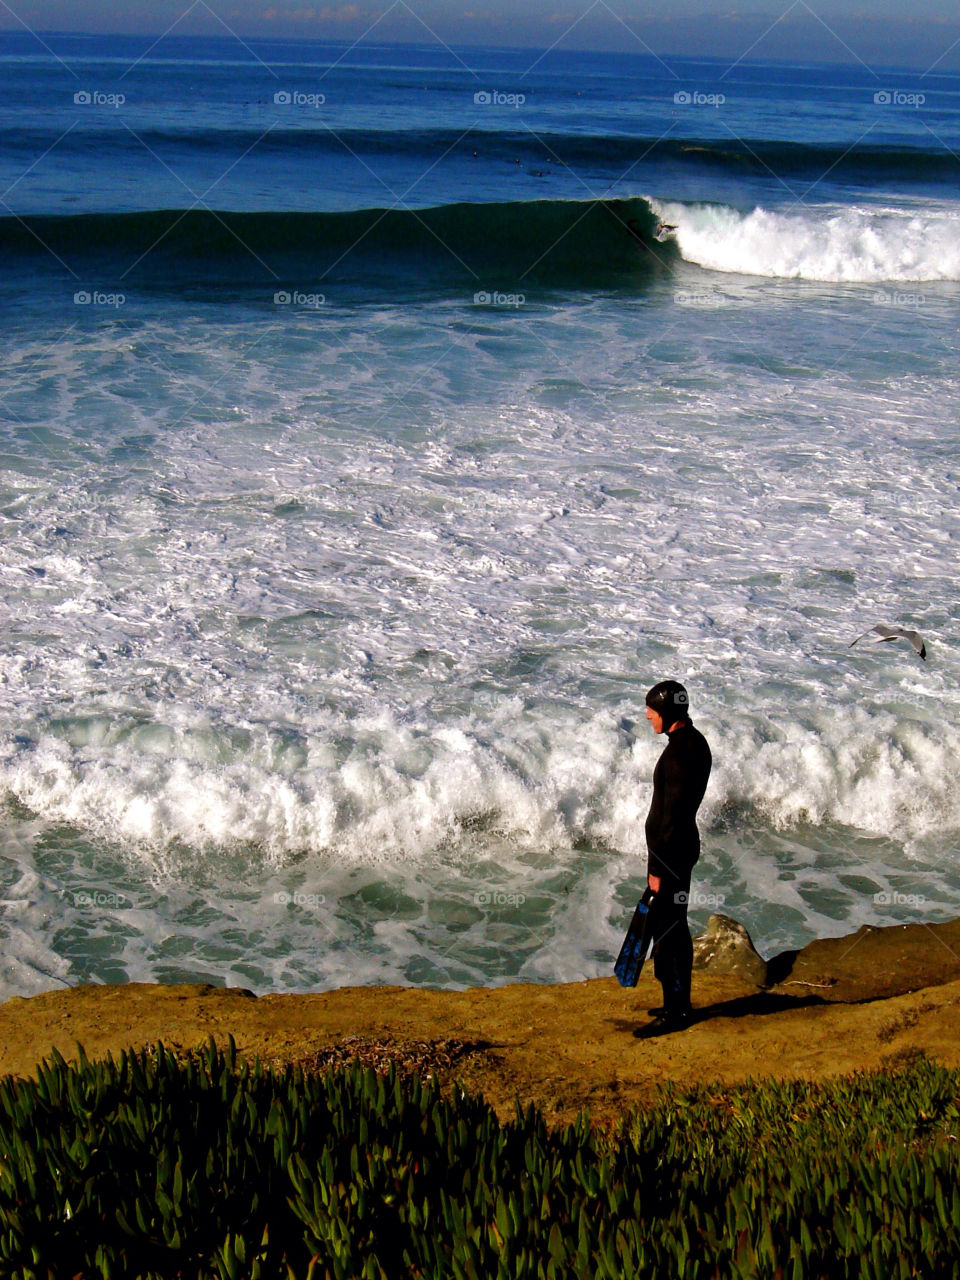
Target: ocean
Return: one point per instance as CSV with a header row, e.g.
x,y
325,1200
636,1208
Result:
x,y
368,451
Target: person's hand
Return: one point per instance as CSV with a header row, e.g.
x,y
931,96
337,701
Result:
x,y
654,883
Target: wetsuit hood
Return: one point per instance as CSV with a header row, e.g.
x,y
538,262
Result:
x,y
669,699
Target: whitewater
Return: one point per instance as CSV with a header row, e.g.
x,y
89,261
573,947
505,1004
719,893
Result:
x,y
340,532
828,242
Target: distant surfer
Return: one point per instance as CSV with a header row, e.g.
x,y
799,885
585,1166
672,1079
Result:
x,y
662,232
673,847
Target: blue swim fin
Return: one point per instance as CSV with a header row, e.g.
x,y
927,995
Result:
x,y
637,942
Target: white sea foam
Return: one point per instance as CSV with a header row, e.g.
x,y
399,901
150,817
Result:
x,y
27,964
862,768
848,243
383,664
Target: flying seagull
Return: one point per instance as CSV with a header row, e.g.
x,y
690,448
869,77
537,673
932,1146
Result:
x,y
896,633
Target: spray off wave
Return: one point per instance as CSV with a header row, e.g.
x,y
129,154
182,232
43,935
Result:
x,y
846,244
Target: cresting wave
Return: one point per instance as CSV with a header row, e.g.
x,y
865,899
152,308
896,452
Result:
x,y
565,243
593,244
421,792
845,244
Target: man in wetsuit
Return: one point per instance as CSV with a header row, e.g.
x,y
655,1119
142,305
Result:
x,y
673,846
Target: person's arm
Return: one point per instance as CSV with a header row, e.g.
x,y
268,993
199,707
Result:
x,y
652,831
674,809
665,812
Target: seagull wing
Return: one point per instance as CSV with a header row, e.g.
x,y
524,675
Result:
x,y
916,640
863,637
884,632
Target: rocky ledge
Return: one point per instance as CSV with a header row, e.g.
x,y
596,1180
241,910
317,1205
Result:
x,y
867,1000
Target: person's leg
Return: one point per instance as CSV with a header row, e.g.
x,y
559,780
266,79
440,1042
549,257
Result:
x,y
681,970
673,954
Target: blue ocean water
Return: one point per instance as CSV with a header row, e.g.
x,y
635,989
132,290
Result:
x,y
368,449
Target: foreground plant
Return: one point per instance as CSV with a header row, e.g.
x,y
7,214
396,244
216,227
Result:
x,y
156,1165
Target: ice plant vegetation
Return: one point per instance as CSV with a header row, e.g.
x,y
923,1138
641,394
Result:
x,y
164,1165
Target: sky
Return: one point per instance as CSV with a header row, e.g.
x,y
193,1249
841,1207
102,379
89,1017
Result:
x,y
924,34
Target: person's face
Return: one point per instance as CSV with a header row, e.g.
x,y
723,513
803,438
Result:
x,y
655,719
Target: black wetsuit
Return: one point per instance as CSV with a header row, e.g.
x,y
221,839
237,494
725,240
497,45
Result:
x,y
673,847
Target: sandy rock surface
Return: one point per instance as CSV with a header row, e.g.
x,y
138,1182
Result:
x,y
839,1005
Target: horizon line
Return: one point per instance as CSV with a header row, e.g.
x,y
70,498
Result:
x,y
348,42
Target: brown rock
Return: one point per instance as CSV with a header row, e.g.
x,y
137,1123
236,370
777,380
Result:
x,y
872,963
727,947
